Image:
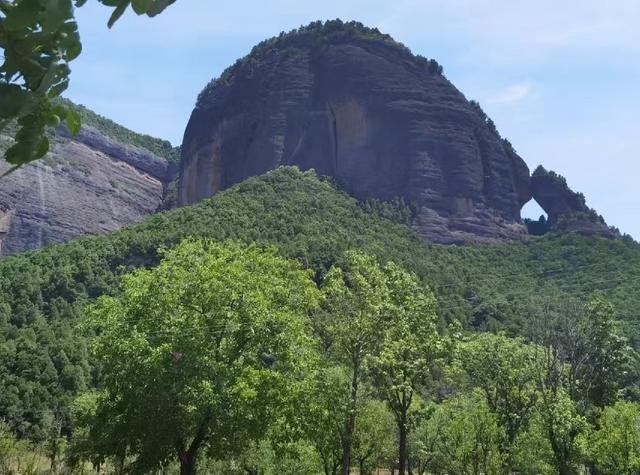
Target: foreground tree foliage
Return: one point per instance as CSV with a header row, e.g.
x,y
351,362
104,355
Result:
x,y
323,413
615,445
356,298
199,353
503,369
462,435
409,349
374,441
39,38
585,352
381,323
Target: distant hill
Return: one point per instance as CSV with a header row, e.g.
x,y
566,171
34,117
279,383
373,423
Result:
x,y
43,357
105,178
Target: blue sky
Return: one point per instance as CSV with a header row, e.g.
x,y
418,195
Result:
x,y
561,79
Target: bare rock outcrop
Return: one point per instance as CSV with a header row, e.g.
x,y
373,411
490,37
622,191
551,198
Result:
x,y
89,184
567,210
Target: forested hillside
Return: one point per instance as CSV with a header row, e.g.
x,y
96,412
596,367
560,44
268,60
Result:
x,y
109,128
43,360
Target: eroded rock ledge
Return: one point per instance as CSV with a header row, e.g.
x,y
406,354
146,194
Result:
x,y
567,210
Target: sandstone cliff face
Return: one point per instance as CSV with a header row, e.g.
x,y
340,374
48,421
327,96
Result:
x,y
367,112
87,185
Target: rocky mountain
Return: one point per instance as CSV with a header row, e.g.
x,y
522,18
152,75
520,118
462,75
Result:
x,y
103,179
343,99
357,106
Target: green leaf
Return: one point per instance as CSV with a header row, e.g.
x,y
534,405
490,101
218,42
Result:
x,y
42,148
159,6
58,89
141,6
73,51
117,13
12,100
73,121
23,15
56,13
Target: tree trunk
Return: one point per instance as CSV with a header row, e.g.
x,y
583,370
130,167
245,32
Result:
x,y
189,457
402,443
351,419
188,462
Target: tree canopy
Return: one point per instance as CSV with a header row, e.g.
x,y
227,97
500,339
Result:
x,y
199,352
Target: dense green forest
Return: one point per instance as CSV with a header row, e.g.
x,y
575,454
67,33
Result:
x,y
50,363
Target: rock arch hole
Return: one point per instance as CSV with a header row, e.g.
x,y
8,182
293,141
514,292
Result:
x,y
535,218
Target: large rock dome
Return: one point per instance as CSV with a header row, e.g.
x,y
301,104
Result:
x,y
355,105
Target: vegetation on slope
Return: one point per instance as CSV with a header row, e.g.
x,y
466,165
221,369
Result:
x,y
44,363
159,147
226,347
316,34
111,129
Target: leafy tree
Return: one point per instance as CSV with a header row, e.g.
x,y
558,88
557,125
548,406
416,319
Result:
x,y
606,357
615,445
504,370
263,458
323,412
531,453
351,324
39,38
463,436
16,456
539,227
200,351
409,347
562,425
584,351
90,440
374,444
